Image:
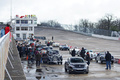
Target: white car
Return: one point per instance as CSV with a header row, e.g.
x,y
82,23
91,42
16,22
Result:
x,y
56,44
91,53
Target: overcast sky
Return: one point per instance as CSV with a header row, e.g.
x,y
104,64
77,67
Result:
x,y
63,11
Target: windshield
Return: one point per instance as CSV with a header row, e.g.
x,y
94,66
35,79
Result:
x,y
76,60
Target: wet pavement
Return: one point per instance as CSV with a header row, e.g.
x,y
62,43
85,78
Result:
x,y
56,72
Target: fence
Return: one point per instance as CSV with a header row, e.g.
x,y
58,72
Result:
x,y
4,48
91,31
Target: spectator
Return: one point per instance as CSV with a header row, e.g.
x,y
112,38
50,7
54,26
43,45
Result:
x,y
73,53
23,50
82,53
88,58
38,58
20,50
7,28
2,32
108,60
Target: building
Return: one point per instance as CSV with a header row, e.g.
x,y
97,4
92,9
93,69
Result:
x,y
23,27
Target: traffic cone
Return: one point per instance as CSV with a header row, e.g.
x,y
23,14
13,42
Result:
x,y
119,61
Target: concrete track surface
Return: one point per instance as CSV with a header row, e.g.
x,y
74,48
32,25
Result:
x,y
56,72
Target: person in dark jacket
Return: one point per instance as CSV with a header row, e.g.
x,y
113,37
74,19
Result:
x,y
38,58
108,60
88,58
82,53
20,50
73,53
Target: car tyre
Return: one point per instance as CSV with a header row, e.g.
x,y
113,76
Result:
x,y
96,61
87,71
112,62
101,62
69,71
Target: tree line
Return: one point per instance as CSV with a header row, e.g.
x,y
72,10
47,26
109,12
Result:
x,y
108,22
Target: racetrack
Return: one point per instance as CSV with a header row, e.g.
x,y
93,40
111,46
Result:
x,y
56,72
78,40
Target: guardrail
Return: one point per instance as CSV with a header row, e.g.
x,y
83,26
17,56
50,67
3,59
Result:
x,y
4,49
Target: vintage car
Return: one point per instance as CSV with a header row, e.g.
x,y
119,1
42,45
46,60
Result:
x,y
76,64
101,58
49,41
64,47
91,53
55,44
46,48
40,37
52,56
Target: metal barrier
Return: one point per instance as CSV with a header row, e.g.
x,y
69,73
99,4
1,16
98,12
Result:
x,y
4,49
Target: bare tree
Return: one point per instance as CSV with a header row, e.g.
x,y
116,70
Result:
x,y
109,19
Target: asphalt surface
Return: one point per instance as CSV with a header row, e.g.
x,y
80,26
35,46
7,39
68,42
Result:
x,y
56,72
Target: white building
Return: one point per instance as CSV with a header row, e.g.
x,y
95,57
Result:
x,y
23,26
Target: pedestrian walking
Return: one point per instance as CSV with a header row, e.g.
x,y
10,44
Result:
x,y
2,32
108,60
88,58
7,28
82,53
73,53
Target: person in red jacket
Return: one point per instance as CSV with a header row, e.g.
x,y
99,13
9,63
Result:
x,y
7,28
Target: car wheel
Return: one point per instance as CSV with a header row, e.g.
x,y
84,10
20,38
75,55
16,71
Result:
x,y
87,71
69,71
58,63
61,63
112,62
49,62
96,61
101,62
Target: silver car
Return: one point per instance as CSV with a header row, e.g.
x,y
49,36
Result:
x,y
76,64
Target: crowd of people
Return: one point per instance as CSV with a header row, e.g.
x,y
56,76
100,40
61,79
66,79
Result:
x,y
5,30
30,52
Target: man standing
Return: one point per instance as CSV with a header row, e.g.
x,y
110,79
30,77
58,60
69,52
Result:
x,y
82,53
73,53
108,60
7,28
88,58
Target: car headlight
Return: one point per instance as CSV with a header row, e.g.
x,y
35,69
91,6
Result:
x,y
86,66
